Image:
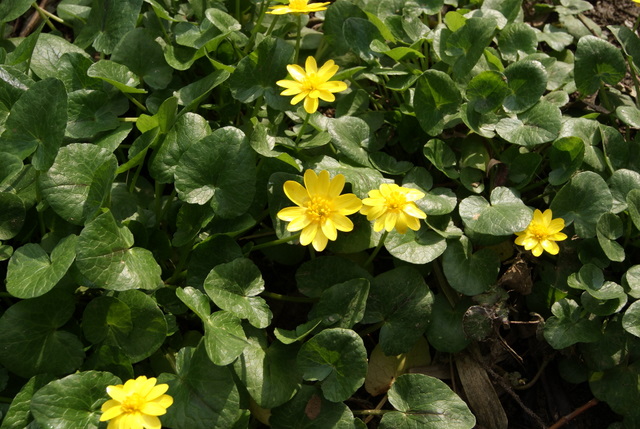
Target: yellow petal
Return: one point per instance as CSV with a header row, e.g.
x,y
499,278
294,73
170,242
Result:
x,y
327,70
387,189
537,251
390,220
288,214
412,222
299,223
324,183
153,409
290,92
311,183
537,216
520,240
279,10
310,65
164,401
311,105
287,83
373,212
413,194
117,392
347,204
333,86
296,193
558,236
329,230
320,242
297,72
299,97
556,225
336,186
326,96
550,246
111,411
150,422
342,223
309,233
412,210
546,217
379,224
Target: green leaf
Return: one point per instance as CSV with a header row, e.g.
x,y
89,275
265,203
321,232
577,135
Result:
x,y
597,62
13,83
425,402
117,75
342,305
31,272
72,71
257,73
630,115
204,394
106,258
539,124
419,247
568,326
193,94
361,33
143,56
338,358
618,387
12,216
73,401
445,332
19,413
335,17
47,101
608,229
442,157
233,287
565,158
12,9
436,96
32,342
467,44
79,181
621,183
486,91
224,338
351,136
401,299
470,274
310,410
633,203
517,40
631,319
505,215
268,371
584,213
527,81
219,168
130,321
509,8
317,275
92,112
195,300
48,52
108,23
208,254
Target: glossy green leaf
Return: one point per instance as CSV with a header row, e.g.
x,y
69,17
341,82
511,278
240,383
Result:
x,y
73,401
194,93
571,205
130,321
631,319
568,325
486,91
506,214
597,62
618,387
633,203
565,157
72,71
197,301
470,273
268,371
419,247
338,358
108,23
204,394
442,157
12,215
527,81
13,83
445,332
19,413
436,96
467,44
361,33
105,257
539,124
342,305
621,183
117,75
401,299
224,338
351,136
92,112
47,54
233,287
219,169
608,229
425,402
47,101
12,9
32,272
317,275
517,40
310,410
79,181
32,342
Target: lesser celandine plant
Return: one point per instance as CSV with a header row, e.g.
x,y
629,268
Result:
x,y
248,214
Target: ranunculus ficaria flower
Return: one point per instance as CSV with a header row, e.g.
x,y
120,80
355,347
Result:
x,y
298,6
136,404
321,211
393,206
542,233
312,84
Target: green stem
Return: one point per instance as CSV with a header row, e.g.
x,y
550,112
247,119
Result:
x,y
44,16
165,209
132,185
605,98
256,27
377,249
6,400
295,59
128,119
446,289
636,24
634,76
370,329
273,24
370,412
134,101
275,242
279,297
49,14
302,127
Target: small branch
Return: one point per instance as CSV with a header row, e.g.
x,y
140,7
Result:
x,y
566,419
279,297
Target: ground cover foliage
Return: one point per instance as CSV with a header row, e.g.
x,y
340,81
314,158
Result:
x,y
144,149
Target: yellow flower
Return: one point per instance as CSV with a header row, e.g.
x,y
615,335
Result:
x,y
312,84
393,206
136,404
542,233
298,6
321,211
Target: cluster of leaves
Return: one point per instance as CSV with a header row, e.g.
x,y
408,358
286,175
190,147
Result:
x,y
143,151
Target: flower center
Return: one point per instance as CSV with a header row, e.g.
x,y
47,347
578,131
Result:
x,y
396,201
318,209
298,4
539,232
133,403
311,82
